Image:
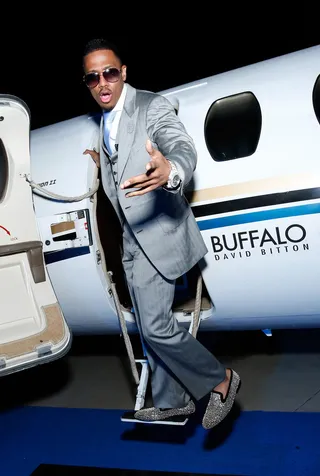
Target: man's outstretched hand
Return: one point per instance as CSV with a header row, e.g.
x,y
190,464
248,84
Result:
x,y
157,174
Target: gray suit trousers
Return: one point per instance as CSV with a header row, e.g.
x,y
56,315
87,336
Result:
x,y
181,367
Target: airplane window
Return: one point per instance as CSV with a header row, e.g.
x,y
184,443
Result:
x,y
3,170
316,98
232,127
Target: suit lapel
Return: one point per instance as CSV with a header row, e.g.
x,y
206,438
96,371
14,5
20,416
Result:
x,y
126,129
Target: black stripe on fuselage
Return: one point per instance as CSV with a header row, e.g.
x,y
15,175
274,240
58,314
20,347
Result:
x,y
255,202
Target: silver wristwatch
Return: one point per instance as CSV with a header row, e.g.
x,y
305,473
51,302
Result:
x,y
174,178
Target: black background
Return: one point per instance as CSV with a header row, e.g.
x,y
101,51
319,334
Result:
x,y
41,47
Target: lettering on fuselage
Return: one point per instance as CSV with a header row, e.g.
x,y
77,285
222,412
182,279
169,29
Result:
x,y
245,244
49,182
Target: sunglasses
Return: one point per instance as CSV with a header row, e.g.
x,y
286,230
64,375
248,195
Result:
x,y
111,75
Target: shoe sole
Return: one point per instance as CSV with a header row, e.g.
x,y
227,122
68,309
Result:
x,y
178,420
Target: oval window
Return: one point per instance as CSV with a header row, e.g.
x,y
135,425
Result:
x,y
232,127
316,98
4,169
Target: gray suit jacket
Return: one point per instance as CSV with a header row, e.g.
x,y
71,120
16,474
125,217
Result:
x,y
162,221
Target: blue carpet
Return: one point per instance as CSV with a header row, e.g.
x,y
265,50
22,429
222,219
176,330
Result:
x,y
250,443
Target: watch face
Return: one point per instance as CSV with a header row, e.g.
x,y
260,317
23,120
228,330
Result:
x,y
175,180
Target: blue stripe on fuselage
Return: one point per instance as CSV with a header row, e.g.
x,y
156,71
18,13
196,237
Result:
x,y
307,209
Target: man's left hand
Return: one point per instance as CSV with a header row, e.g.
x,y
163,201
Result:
x,y
158,171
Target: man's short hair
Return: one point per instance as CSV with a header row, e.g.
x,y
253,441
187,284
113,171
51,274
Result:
x,y
101,44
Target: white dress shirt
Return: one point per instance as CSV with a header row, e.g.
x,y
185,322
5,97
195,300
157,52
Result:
x,y
111,121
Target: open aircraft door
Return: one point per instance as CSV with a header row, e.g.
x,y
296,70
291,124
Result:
x,y
33,329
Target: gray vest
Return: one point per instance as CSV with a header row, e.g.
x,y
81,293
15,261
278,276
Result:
x,y
113,183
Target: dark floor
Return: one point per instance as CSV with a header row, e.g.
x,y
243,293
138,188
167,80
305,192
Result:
x,y
279,373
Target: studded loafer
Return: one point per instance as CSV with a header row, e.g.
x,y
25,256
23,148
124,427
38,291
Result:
x,y
158,414
218,408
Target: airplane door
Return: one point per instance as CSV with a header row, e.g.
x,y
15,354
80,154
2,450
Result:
x,y
32,326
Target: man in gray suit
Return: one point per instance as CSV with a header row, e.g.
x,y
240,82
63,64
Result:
x,y
147,158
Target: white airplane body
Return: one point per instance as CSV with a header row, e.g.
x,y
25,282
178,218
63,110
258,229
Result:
x,y
255,195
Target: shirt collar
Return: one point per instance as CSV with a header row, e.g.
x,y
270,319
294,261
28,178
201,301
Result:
x,y
120,103
118,107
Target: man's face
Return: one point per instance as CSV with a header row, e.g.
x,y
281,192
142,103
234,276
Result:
x,y
106,93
